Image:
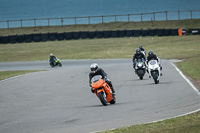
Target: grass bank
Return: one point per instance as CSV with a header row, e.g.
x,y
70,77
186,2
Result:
x,y
8,74
185,124
185,24
175,47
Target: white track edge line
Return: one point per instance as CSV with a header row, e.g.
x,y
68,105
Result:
x,y
189,82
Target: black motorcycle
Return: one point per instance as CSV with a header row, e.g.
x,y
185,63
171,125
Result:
x,y
140,68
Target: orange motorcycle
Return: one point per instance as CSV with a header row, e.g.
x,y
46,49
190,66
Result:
x,y
102,90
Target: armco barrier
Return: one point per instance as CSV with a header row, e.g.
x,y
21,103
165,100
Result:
x,y
37,37
92,34
194,31
60,36
84,34
52,36
28,38
21,38
68,35
106,34
13,39
44,37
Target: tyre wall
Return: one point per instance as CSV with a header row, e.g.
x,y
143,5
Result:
x,y
93,34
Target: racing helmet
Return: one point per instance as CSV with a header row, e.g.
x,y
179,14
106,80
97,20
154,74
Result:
x,y
51,54
94,67
138,51
140,46
150,53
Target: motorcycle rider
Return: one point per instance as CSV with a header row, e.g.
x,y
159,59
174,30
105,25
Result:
x,y
95,70
141,48
52,58
138,55
152,56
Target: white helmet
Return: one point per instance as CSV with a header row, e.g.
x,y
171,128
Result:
x,y
94,67
51,54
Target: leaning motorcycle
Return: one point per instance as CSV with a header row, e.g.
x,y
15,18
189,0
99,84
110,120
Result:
x,y
102,90
154,70
55,62
140,68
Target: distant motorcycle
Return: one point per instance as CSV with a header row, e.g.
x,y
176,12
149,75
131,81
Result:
x,y
55,62
140,68
102,90
154,70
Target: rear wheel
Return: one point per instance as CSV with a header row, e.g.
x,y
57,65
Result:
x,y
102,97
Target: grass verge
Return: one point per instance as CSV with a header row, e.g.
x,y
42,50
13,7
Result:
x,y
8,74
173,47
185,124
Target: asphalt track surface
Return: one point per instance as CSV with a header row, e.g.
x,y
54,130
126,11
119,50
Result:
x,y
59,100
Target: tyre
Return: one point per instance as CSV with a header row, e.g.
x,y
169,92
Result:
x,y
113,101
51,64
155,77
59,64
141,73
102,97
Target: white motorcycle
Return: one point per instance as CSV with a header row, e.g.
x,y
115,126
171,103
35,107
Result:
x,y
154,70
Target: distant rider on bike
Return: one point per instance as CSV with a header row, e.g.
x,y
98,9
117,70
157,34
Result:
x,y
138,55
52,58
152,56
95,70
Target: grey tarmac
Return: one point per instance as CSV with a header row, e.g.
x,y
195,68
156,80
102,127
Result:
x,y
59,99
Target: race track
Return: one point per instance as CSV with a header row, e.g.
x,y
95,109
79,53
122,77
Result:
x,y
59,100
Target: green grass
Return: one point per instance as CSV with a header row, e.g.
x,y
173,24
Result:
x,y
185,124
191,67
185,24
8,74
175,47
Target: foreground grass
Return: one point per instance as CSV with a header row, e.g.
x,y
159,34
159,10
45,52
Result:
x,y
8,74
185,124
185,24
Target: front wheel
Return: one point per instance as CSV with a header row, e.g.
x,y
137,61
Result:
x,y
102,97
59,64
113,101
155,77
